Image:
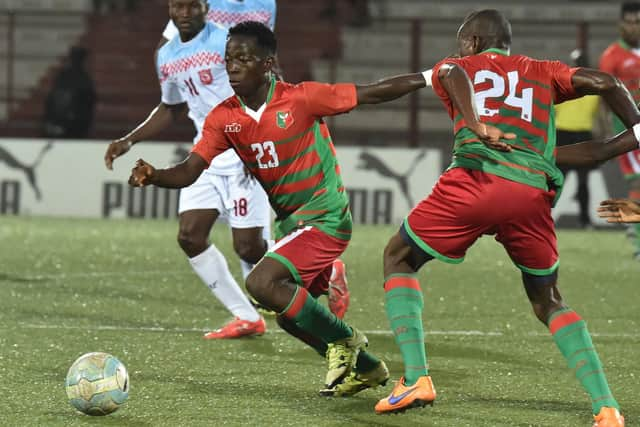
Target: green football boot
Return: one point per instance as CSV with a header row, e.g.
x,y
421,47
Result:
x,y
355,382
342,356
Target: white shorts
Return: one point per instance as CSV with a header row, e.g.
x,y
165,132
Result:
x,y
241,201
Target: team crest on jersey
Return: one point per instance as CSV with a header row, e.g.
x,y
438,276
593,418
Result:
x,y
284,119
206,77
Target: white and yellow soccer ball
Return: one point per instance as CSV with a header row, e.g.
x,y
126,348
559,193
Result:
x,y
97,384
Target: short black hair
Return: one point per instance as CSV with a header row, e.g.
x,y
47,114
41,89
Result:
x,y
629,7
265,38
490,24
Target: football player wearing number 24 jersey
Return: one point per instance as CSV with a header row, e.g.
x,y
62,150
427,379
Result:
x,y
506,193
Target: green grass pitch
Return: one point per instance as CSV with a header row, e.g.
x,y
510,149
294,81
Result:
x,y
68,287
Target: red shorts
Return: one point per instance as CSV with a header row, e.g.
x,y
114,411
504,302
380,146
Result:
x,y
308,254
465,204
630,164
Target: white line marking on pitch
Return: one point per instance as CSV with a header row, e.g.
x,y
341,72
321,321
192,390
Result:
x,y
279,331
98,274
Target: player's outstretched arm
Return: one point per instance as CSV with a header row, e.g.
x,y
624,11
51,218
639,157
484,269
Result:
x,y
587,81
390,88
456,83
179,176
619,210
592,153
159,119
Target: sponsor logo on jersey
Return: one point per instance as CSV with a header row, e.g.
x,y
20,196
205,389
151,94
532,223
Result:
x,y
284,119
232,128
206,77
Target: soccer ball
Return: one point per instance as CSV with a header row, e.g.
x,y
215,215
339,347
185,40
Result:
x,y
97,384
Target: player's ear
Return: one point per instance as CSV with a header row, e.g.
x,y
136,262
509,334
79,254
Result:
x,y
206,6
476,44
268,63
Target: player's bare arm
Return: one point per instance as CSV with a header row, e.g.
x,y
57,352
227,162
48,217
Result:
x,y
617,97
592,153
457,84
620,210
389,88
181,175
159,119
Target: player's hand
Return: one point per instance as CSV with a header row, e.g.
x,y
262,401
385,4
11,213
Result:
x,y
619,211
493,137
141,173
116,149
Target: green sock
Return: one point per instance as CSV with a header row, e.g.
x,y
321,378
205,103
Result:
x,y
366,361
574,341
315,319
403,304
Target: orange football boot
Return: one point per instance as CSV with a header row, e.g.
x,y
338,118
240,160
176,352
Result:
x,y
608,417
404,397
238,328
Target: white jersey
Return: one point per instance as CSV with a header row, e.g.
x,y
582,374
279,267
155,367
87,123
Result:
x,y
194,72
231,12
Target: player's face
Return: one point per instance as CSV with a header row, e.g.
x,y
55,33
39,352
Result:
x,y
188,16
248,69
630,28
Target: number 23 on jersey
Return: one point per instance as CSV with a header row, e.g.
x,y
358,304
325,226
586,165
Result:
x,y
266,154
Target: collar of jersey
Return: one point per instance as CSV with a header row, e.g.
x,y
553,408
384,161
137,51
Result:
x,y
272,87
624,45
496,50
193,40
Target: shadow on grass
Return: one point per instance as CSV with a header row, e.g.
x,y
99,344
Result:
x,y
4,277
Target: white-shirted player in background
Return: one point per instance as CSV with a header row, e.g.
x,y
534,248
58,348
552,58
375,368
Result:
x,y
193,80
228,13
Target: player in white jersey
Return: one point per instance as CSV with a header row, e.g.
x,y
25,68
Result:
x,y
231,12
228,13
193,80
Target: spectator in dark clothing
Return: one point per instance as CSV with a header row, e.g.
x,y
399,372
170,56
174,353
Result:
x,y
70,104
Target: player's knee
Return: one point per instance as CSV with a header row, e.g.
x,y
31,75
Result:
x,y
543,294
250,251
191,243
256,285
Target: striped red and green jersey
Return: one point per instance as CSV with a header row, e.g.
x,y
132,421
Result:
x,y
516,94
622,61
288,149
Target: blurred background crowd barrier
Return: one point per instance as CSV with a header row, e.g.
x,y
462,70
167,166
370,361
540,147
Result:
x,y
324,40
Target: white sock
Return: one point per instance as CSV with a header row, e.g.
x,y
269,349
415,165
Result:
x,y
247,267
212,268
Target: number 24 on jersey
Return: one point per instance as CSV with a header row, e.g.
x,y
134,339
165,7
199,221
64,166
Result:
x,y
524,102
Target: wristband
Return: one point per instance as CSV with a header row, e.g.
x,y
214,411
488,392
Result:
x,y
427,76
636,132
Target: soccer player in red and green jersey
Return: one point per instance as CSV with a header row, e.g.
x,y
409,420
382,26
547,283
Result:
x,y
508,194
278,131
622,59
